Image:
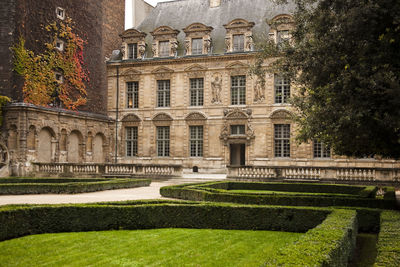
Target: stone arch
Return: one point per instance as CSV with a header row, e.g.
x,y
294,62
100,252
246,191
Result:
x,y
45,147
196,117
131,118
12,141
162,119
75,151
31,138
99,142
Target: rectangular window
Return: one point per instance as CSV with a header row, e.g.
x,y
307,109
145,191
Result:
x,y
282,36
196,92
238,90
196,141
238,42
321,150
131,141
282,140
282,89
60,12
60,45
132,94
132,51
238,130
163,141
197,46
163,93
163,49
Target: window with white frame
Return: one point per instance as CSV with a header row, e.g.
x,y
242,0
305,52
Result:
x,y
60,12
238,42
132,94
282,140
238,90
163,141
59,77
131,141
197,46
163,93
282,36
196,91
321,150
132,51
282,89
196,141
163,49
60,45
238,130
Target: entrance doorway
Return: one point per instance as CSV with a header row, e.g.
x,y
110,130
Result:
x,y
237,154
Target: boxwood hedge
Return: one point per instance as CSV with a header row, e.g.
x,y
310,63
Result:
x,y
389,240
18,186
219,192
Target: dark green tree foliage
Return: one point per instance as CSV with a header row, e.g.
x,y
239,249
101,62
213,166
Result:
x,y
345,60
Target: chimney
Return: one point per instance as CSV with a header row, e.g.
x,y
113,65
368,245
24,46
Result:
x,y
215,3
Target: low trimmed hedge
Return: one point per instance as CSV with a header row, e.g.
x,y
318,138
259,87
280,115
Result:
x,y
389,240
203,192
23,220
329,244
19,186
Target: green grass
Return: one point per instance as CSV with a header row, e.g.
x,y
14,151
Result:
x,y
156,247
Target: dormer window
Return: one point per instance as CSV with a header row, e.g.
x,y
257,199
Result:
x,y
165,42
280,27
133,44
163,48
60,45
132,51
239,36
238,43
197,46
60,12
198,39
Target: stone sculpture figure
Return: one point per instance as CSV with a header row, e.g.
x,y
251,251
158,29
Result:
x,y
249,43
142,50
174,47
227,44
259,95
123,50
207,44
187,46
216,87
154,49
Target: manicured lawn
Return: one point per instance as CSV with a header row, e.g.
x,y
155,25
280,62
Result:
x,y
156,247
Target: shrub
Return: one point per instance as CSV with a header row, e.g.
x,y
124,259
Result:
x,y
329,244
208,192
17,186
389,240
23,220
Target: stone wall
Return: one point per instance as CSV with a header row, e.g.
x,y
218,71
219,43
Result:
x,y
97,22
37,134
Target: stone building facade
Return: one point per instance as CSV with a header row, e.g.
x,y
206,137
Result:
x,y
181,91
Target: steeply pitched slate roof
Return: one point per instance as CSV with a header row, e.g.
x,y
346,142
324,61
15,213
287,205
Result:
x,y
181,13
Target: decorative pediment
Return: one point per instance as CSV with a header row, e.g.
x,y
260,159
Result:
x,y
280,19
195,68
239,23
162,70
237,113
195,116
130,72
197,27
162,117
237,65
132,33
281,114
131,118
164,30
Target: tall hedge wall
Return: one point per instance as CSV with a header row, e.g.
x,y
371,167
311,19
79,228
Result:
x,y
389,240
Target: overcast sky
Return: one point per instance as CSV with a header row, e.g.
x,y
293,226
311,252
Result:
x,y
128,10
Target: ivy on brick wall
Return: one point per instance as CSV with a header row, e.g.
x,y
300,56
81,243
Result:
x,y
54,76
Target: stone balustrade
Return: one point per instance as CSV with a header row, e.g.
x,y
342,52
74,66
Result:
x,y
390,175
93,169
